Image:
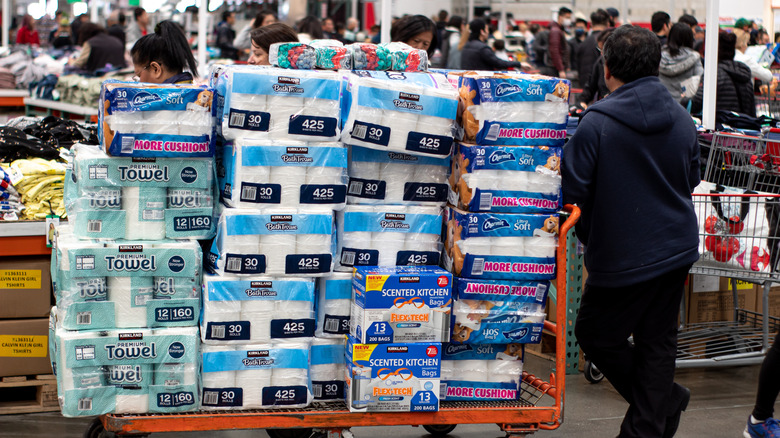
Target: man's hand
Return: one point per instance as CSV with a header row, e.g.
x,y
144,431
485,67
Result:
x,y
562,74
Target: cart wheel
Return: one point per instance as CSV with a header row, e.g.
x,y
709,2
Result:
x,y
592,373
289,433
439,430
96,430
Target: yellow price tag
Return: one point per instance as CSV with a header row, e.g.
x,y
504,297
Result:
x,y
20,278
24,346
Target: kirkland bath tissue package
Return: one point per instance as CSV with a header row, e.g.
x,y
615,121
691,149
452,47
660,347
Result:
x,y
127,372
388,235
153,120
273,241
278,104
506,179
402,112
500,246
401,304
140,198
258,376
387,177
393,377
328,369
513,110
334,305
265,173
126,284
255,310
481,372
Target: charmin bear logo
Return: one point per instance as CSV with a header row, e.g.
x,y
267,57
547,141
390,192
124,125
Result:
x,y
145,98
492,224
499,157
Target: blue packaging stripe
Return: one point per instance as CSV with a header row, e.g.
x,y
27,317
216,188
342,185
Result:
x,y
521,133
338,289
359,154
460,390
255,359
294,156
258,83
501,290
508,201
505,225
155,98
327,354
522,90
510,268
252,224
239,290
422,104
481,352
519,158
380,222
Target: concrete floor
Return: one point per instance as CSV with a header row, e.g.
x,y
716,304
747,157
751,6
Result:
x,y
721,400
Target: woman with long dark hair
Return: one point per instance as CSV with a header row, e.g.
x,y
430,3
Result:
x,y
163,56
680,67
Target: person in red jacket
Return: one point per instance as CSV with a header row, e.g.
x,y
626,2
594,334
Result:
x,y
27,33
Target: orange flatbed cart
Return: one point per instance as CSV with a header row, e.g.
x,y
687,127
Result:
x,y
540,406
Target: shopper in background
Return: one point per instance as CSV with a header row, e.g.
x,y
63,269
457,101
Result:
x,y
164,56
756,70
690,20
613,17
417,31
661,22
499,48
309,28
681,68
588,51
735,88
27,33
263,37
477,55
58,17
263,18
374,34
352,29
61,37
116,26
596,87
580,33
99,50
226,35
760,424
329,28
557,59
647,156
455,31
75,27
137,28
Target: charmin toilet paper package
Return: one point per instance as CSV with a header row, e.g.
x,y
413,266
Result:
x,y
393,377
402,112
328,369
388,235
334,305
500,246
481,372
253,310
506,179
263,173
126,284
496,322
387,177
152,120
140,198
274,241
520,292
278,104
400,304
513,110
258,376
127,372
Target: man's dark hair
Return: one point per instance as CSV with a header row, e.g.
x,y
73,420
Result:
x,y
443,14
499,45
121,19
727,46
603,35
475,28
564,10
680,35
456,21
599,17
659,20
688,19
312,26
226,15
632,53
137,12
88,30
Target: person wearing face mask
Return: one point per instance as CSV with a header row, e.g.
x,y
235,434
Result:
x,y
263,37
557,58
580,33
476,55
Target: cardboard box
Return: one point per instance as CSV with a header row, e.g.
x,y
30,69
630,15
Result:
x,y
711,299
25,287
24,347
774,300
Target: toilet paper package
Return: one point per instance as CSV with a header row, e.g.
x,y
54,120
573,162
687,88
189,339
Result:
x,y
127,372
253,310
328,369
400,304
387,177
481,372
279,104
141,198
500,246
513,110
274,241
334,305
504,179
393,377
263,173
154,120
412,113
520,293
257,376
388,235
496,322
325,54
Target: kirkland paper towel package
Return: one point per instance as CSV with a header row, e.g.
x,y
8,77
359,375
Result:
x,y
401,304
140,198
481,372
388,235
506,179
273,241
334,305
402,112
279,104
500,246
513,110
265,173
255,310
393,377
258,376
386,177
103,285
153,120
127,372
328,369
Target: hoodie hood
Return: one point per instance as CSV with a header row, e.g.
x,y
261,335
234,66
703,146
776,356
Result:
x,y
672,66
643,105
737,71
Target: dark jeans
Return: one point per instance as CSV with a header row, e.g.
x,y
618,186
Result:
x,y
768,383
642,374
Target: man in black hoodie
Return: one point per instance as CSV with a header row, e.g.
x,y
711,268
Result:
x,y
631,167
